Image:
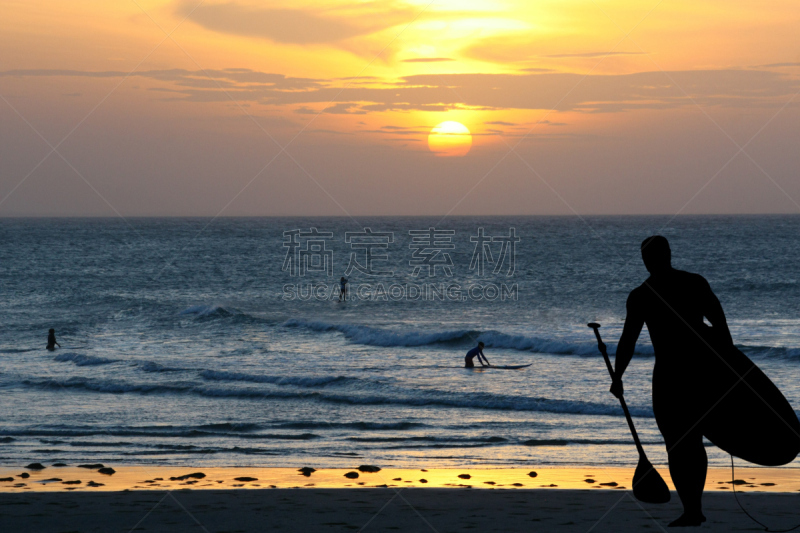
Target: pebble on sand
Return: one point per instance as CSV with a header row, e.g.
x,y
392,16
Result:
x,y
245,478
590,480
368,468
532,474
106,470
307,471
351,475
464,476
196,475
24,475
35,466
609,484
59,464
7,479
74,482
423,480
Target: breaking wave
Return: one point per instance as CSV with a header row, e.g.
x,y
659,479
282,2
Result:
x,y
371,336
82,359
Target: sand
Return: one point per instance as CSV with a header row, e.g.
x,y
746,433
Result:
x,y
490,499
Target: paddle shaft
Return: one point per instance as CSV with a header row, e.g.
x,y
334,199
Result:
x,y
601,345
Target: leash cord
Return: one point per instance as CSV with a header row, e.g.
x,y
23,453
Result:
x,y
735,495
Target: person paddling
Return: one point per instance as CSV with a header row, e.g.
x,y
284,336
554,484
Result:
x,y
51,340
472,354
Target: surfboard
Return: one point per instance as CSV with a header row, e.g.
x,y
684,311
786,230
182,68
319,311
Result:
x,y
501,367
746,414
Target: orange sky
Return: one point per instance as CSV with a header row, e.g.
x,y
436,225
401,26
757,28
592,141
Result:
x,y
245,107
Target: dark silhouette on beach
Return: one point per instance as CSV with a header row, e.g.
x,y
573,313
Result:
x,y
343,289
51,340
472,354
702,384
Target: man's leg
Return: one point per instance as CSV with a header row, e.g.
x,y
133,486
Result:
x,y
678,417
688,464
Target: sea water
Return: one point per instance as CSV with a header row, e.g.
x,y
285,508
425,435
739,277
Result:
x,y
223,342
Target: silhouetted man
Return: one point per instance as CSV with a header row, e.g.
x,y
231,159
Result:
x,y
472,354
702,385
51,340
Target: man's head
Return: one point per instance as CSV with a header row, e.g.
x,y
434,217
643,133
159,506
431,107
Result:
x,y
480,345
656,254
52,330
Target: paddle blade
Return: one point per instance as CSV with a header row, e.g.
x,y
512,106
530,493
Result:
x,y
648,485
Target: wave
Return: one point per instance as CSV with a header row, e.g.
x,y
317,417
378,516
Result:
x,y
56,434
210,311
371,336
214,312
400,397
82,359
496,339
218,375
152,366
17,350
381,337
363,426
777,352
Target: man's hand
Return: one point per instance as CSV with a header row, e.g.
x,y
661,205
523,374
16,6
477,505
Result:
x,y
616,388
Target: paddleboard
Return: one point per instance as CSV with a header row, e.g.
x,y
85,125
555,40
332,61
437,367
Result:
x,y
744,413
502,367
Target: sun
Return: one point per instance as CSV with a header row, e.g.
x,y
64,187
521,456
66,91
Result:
x,y
450,139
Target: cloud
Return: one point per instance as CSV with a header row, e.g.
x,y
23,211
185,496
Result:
x,y
294,26
344,108
183,78
427,60
594,93
499,123
774,65
536,69
595,54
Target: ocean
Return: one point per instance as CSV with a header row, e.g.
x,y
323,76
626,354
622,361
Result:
x,y
222,342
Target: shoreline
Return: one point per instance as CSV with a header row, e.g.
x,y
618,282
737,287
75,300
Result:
x,y
282,499
91,478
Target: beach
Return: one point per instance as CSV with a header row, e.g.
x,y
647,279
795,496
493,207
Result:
x,y
148,498
206,392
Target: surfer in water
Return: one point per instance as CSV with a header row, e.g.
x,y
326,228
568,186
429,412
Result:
x,y
472,354
343,288
702,385
51,340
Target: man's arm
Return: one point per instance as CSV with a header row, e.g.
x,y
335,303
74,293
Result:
x,y
627,342
714,313
480,354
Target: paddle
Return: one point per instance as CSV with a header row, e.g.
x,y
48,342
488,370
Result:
x,y
648,486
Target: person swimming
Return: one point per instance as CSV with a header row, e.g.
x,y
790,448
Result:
x,y
51,340
476,352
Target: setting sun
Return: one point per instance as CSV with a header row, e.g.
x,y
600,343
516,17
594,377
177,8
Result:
x,y
450,139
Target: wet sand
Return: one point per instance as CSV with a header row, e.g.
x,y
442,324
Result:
x,y
145,498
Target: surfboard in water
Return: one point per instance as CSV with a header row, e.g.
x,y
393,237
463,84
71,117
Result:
x,y
502,367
